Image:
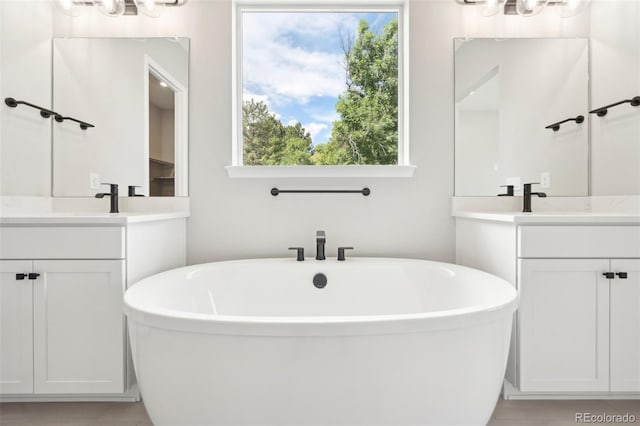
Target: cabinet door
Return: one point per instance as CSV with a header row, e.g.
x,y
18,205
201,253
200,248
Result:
x,y
16,328
78,326
625,326
564,320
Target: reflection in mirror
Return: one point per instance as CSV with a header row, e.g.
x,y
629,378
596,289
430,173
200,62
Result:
x,y
140,129
161,138
506,92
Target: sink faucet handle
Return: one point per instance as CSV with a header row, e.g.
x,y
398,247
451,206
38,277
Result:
x,y
341,252
509,191
132,191
113,187
299,253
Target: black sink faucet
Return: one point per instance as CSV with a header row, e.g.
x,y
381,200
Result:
x,y
321,239
527,196
113,194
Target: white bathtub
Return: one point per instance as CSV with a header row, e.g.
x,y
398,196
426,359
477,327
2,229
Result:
x,y
386,342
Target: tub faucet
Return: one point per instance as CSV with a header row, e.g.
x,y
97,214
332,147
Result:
x,y
113,194
320,240
527,196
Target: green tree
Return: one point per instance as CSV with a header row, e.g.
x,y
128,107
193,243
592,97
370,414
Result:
x,y
266,141
367,131
259,126
329,154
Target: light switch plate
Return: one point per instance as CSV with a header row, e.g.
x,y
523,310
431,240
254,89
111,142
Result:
x,y
94,181
545,180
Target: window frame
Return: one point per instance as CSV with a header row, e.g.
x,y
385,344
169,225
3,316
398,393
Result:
x,y
403,168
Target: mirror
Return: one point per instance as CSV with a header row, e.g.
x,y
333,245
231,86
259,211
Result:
x,y
507,91
135,92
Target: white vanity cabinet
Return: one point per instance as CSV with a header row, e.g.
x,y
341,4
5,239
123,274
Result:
x,y
68,320
564,325
63,330
70,328
16,328
577,330
624,326
578,318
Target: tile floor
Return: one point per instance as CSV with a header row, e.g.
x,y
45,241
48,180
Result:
x,y
507,413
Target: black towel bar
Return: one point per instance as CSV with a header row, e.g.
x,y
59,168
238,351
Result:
x,y
363,191
556,126
46,113
602,111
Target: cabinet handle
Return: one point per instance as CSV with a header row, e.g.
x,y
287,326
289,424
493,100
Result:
x,y
609,275
21,276
622,275
33,276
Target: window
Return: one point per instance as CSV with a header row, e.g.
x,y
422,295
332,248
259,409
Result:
x,y
319,86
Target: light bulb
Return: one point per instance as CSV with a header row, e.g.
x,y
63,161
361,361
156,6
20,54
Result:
x,y
151,8
530,7
110,7
491,7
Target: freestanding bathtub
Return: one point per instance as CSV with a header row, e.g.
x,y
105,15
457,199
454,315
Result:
x,y
385,342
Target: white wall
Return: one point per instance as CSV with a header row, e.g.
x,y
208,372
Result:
x,y
25,74
402,217
615,75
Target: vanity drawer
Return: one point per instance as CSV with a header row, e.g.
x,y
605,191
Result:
x,y
579,241
62,242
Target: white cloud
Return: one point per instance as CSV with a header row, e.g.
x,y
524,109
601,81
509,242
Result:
x,y
274,63
314,128
248,96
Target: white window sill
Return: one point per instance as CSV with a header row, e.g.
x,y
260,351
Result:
x,y
320,171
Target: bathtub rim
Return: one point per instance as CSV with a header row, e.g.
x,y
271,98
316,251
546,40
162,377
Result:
x,y
234,325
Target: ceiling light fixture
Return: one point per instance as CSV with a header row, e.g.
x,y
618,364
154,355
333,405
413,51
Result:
x,y
117,8
527,8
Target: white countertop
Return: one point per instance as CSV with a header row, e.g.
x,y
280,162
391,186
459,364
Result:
x,y
594,210
87,218
553,218
70,211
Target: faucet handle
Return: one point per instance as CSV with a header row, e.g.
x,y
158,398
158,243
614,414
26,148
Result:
x,y
113,187
341,252
299,253
132,191
509,191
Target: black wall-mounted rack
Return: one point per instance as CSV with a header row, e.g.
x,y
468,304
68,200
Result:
x,y
602,111
46,113
556,126
363,191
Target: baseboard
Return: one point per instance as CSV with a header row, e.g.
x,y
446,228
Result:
x,y
509,392
133,395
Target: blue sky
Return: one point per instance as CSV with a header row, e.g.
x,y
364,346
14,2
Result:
x,y
293,62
